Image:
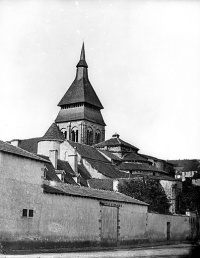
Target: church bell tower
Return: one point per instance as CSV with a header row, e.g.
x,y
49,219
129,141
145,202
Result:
x,y
80,118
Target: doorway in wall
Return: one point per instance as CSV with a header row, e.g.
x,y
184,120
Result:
x,y
168,231
109,225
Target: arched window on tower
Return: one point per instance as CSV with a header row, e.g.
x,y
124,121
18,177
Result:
x,y
64,131
97,136
89,136
74,134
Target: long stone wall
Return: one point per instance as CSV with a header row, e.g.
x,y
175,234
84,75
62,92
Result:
x,y
161,227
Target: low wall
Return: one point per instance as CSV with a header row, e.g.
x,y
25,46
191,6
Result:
x,y
162,227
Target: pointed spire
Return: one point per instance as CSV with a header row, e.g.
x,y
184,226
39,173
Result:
x,y
82,62
82,57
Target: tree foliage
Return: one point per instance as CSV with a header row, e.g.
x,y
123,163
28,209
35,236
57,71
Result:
x,y
189,198
149,191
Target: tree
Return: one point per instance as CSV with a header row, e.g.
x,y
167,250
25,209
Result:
x,y
189,198
149,191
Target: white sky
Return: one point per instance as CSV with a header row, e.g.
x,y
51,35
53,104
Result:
x,y
144,64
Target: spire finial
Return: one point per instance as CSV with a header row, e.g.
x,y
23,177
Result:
x,y
82,57
82,62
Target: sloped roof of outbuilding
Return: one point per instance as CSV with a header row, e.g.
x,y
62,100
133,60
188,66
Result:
x,y
87,151
134,157
61,165
8,148
90,193
96,159
50,173
115,141
53,134
157,159
107,169
29,145
102,184
187,165
110,155
138,167
83,172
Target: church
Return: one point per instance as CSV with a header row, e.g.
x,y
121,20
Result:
x,y
61,190
79,154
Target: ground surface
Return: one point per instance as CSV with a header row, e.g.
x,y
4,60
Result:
x,y
174,251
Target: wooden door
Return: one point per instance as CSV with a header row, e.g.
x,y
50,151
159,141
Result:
x,y
168,230
109,218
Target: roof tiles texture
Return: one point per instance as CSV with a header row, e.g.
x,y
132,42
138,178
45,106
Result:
x,y
96,159
8,148
29,144
134,157
114,141
138,167
81,91
110,155
90,193
80,113
53,133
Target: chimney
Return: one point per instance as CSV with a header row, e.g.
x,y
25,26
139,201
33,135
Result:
x,y
73,161
115,185
53,156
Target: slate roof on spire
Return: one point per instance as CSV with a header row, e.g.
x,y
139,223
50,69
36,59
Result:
x,y
81,89
53,133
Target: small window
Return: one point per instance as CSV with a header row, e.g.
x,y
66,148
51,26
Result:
x,y
30,214
27,213
24,213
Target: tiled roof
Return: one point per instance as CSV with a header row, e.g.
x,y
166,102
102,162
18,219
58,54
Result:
x,y
81,89
162,177
53,133
29,144
87,151
90,193
153,158
107,169
50,173
63,166
134,157
187,165
138,167
114,141
96,159
102,184
80,113
83,172
8,148
110,155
